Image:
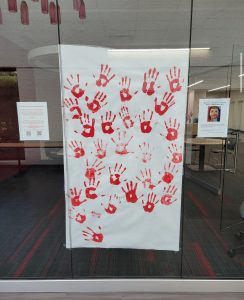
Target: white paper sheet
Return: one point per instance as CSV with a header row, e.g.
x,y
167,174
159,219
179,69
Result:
x,y
123,151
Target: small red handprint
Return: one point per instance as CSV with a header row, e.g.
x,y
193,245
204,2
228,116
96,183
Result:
x,y
121,143
125,94
130,193
172,129
88,125
105,76
146,152
146,179
174,80
75,86
176,153
167,101
145,121
150,77
90,188
125,117
107,122
116,173
77,149
93,169
101,149
97,103
79,218
75,197
167,198
73,106
90,235
169,173
151,202
111,207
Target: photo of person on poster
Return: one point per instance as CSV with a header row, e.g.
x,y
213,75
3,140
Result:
x,y
214,113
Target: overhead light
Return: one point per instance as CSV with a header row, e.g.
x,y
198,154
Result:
x,y
219,88
241,75
195,83
154,50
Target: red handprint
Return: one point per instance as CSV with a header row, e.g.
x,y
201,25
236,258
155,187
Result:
x,y
146,179
75,86
79,218
77,149
121,144
176,153
172,129
151,202
73,106
168,195
146,154
167,101
101,149
150,77
174,80
107,122
125,117
116,173
90,235
98,102
130,193
88,125
145,121
104,78
94,169
75,197
169,172
111,208
90,189
125,94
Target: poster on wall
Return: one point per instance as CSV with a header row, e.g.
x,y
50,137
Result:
x,y
123,124
213,117
33,121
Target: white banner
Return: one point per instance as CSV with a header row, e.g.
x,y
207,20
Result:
x,y
123,122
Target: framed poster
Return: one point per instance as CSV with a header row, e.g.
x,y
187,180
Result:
x,y
123,124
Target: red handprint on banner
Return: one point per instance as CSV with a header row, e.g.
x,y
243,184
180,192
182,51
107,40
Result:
x,y
167,198
125,94
73,106
167,101
75,86
172,129
151,202
107,122
97,103
79,218
90,188
174,80
94,169
88,125
125,117
145,121
105,76
130,192
176,154
90,235
150,77
146,179
77,149
75,197
111,208
146,154
100,148
116,173
121,143
169,173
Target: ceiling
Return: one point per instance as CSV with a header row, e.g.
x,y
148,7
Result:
x,y
217,24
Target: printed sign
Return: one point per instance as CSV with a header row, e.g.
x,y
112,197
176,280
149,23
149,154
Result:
x,y
33,121
213,117
123,124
